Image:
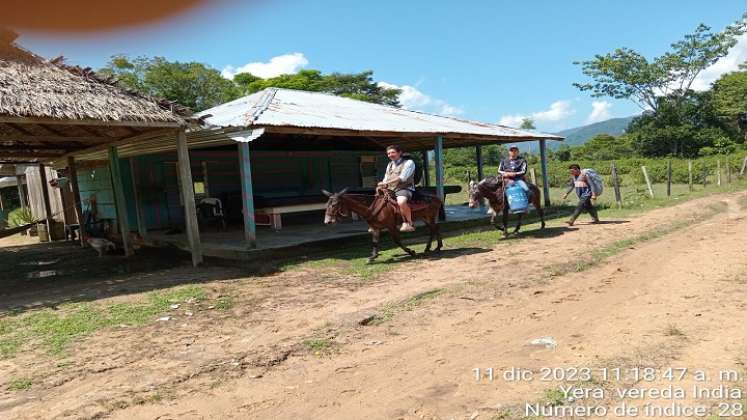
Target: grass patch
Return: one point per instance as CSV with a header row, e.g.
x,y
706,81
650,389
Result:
x,y
388,311
19,384
319,346
672,330
54,330
553,397
224,304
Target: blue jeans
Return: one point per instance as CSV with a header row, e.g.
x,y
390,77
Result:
x,y
521,183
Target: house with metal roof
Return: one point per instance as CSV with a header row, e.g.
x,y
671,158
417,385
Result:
x,y
267,156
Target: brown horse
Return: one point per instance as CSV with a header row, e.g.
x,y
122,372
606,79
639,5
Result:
x,y
492,189
383,213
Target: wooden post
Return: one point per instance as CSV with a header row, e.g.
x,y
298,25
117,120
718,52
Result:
x,y
705,175
616,185
21,192
45,196
247,195
76,199
741,170
478,158
532,176
2,205
426,170
188,193
648,182
669,178
728,170
718,172
545,175
439,155
690,174
140,217
120,202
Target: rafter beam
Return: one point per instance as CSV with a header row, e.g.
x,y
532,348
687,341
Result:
x,y
11,137
13,147
98,123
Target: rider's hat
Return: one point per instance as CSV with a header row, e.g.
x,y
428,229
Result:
x,y
513,146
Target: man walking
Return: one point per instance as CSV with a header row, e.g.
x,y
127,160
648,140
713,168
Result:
x,y
585,192
400,177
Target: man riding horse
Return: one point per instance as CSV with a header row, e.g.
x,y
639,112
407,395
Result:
x,y
513,169
400,178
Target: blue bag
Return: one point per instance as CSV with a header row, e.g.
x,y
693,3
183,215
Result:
x,y
517,199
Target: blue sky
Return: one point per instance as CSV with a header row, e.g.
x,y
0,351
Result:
x,y
486,60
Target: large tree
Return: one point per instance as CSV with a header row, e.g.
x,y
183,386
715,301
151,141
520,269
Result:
x,y
627,74
359,86
191,84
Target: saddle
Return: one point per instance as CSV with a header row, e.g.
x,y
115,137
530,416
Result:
x,y
418,202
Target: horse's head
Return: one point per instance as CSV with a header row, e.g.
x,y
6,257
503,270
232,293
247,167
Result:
x,y
335,206
474,195
489,188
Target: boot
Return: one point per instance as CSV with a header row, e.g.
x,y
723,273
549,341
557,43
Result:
x,y
406,227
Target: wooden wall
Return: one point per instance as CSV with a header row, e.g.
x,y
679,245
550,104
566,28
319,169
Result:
x,y
274,174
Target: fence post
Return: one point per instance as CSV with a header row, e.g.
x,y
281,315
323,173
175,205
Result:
x,y
718,172
744,163
728,170
648,182
690,174
616,185
532,176
669,178
705,175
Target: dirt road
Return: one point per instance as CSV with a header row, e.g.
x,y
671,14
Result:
x,y
665,289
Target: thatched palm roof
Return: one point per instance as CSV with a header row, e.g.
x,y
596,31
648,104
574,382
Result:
x,y
33,87
49,109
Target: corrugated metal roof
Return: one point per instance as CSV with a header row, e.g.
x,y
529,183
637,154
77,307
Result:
x,y
275,107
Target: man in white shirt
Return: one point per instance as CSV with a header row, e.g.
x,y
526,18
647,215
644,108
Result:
x,y
400,177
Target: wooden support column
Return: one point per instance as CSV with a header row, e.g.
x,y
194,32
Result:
x,y
439,156
545,175
247,195
426,170
21,192
120,202
188,193
76,198
45,196
141,229
478,158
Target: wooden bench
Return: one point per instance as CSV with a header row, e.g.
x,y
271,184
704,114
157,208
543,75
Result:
x,y
275,213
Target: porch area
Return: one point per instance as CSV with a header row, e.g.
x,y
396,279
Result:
x,y
304,230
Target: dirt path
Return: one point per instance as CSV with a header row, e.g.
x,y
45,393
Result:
x,y
292,346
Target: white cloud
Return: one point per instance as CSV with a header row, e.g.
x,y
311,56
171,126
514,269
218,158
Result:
x,y
737,55
558,111
412,98
600,111
282,64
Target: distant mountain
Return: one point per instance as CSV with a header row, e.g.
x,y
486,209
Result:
x,y
580,135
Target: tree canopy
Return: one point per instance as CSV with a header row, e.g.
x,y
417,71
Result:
x,y
627,74
192,84
200,86
359,86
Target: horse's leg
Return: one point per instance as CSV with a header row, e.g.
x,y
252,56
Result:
x,y
505,220
540,212
429,222
375,234
440,242
518,223
394,233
